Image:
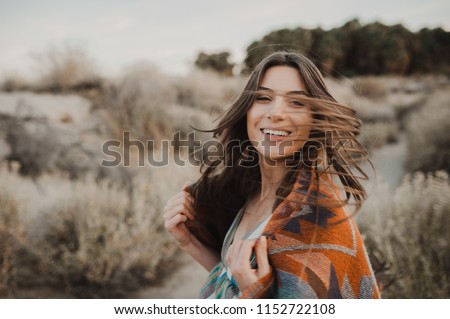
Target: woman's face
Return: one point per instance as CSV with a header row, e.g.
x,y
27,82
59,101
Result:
x,y
278,124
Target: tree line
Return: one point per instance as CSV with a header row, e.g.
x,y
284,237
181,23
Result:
x,y
352,49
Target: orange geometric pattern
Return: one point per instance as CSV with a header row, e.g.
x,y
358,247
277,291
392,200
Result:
x,y
315,252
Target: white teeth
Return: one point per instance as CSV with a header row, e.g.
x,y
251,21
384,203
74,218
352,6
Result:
x,y
273,132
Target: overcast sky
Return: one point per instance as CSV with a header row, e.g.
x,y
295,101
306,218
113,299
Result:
x,y
170,33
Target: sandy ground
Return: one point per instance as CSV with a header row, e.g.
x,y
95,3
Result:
x,y
185,283
388,162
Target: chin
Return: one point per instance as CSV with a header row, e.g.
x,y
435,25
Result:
x,y
276,157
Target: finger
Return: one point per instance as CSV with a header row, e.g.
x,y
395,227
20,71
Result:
x,y
175,221
229,257
177,202
183,195
169,208
179,209
261,256
177,198
233,251
244,253
186,186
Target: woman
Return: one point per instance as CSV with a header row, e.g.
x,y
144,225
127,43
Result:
x,y
266,217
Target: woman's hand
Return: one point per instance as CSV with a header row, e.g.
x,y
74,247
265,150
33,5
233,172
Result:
x,y
176,212
238,259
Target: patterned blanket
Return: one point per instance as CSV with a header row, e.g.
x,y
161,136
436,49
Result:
x,y
315,251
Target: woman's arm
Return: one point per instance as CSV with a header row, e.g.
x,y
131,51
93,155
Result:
x,y
176,212
202,254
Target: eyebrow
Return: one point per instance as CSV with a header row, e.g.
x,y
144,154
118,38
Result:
x,y
290,92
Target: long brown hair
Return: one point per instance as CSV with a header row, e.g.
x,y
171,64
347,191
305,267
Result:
x,y
234,176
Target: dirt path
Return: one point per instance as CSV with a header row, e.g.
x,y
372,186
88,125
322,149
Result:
x,y
185,283
388,162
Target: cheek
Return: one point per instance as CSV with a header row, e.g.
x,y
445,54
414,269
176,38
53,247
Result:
x,y
304,124
252,121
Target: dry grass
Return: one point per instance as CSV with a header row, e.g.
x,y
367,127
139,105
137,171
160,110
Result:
x,y
153,107
207,90
65,67
137,103
371,87
377,134
34,143
386,103
11,236
428,135
103,240
95,239
14,82
17,261
407,236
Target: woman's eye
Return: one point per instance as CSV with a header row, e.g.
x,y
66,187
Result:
x,y
296,103
263,99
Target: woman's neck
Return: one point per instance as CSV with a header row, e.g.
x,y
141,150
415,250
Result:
x,y
272,174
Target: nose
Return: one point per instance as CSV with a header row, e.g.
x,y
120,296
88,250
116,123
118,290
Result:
x,y
277,112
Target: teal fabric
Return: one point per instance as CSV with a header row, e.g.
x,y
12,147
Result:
x,y
219,283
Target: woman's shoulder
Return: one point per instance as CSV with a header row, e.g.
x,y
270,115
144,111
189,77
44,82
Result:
x,y
319,239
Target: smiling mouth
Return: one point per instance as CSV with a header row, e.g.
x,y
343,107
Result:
x,y
275,132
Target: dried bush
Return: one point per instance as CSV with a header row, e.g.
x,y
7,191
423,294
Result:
x,y
377,134
207,90
407,236
85,238
428,135
370,87
368,110
10,237
34,143
14,82
102,240
17,262
41,147
137,103
65,67
406,104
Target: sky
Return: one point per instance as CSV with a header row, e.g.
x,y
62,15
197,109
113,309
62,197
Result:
x,y
170,34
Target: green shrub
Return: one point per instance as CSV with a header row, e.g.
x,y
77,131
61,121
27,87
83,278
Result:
x,y
217,62
356,49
